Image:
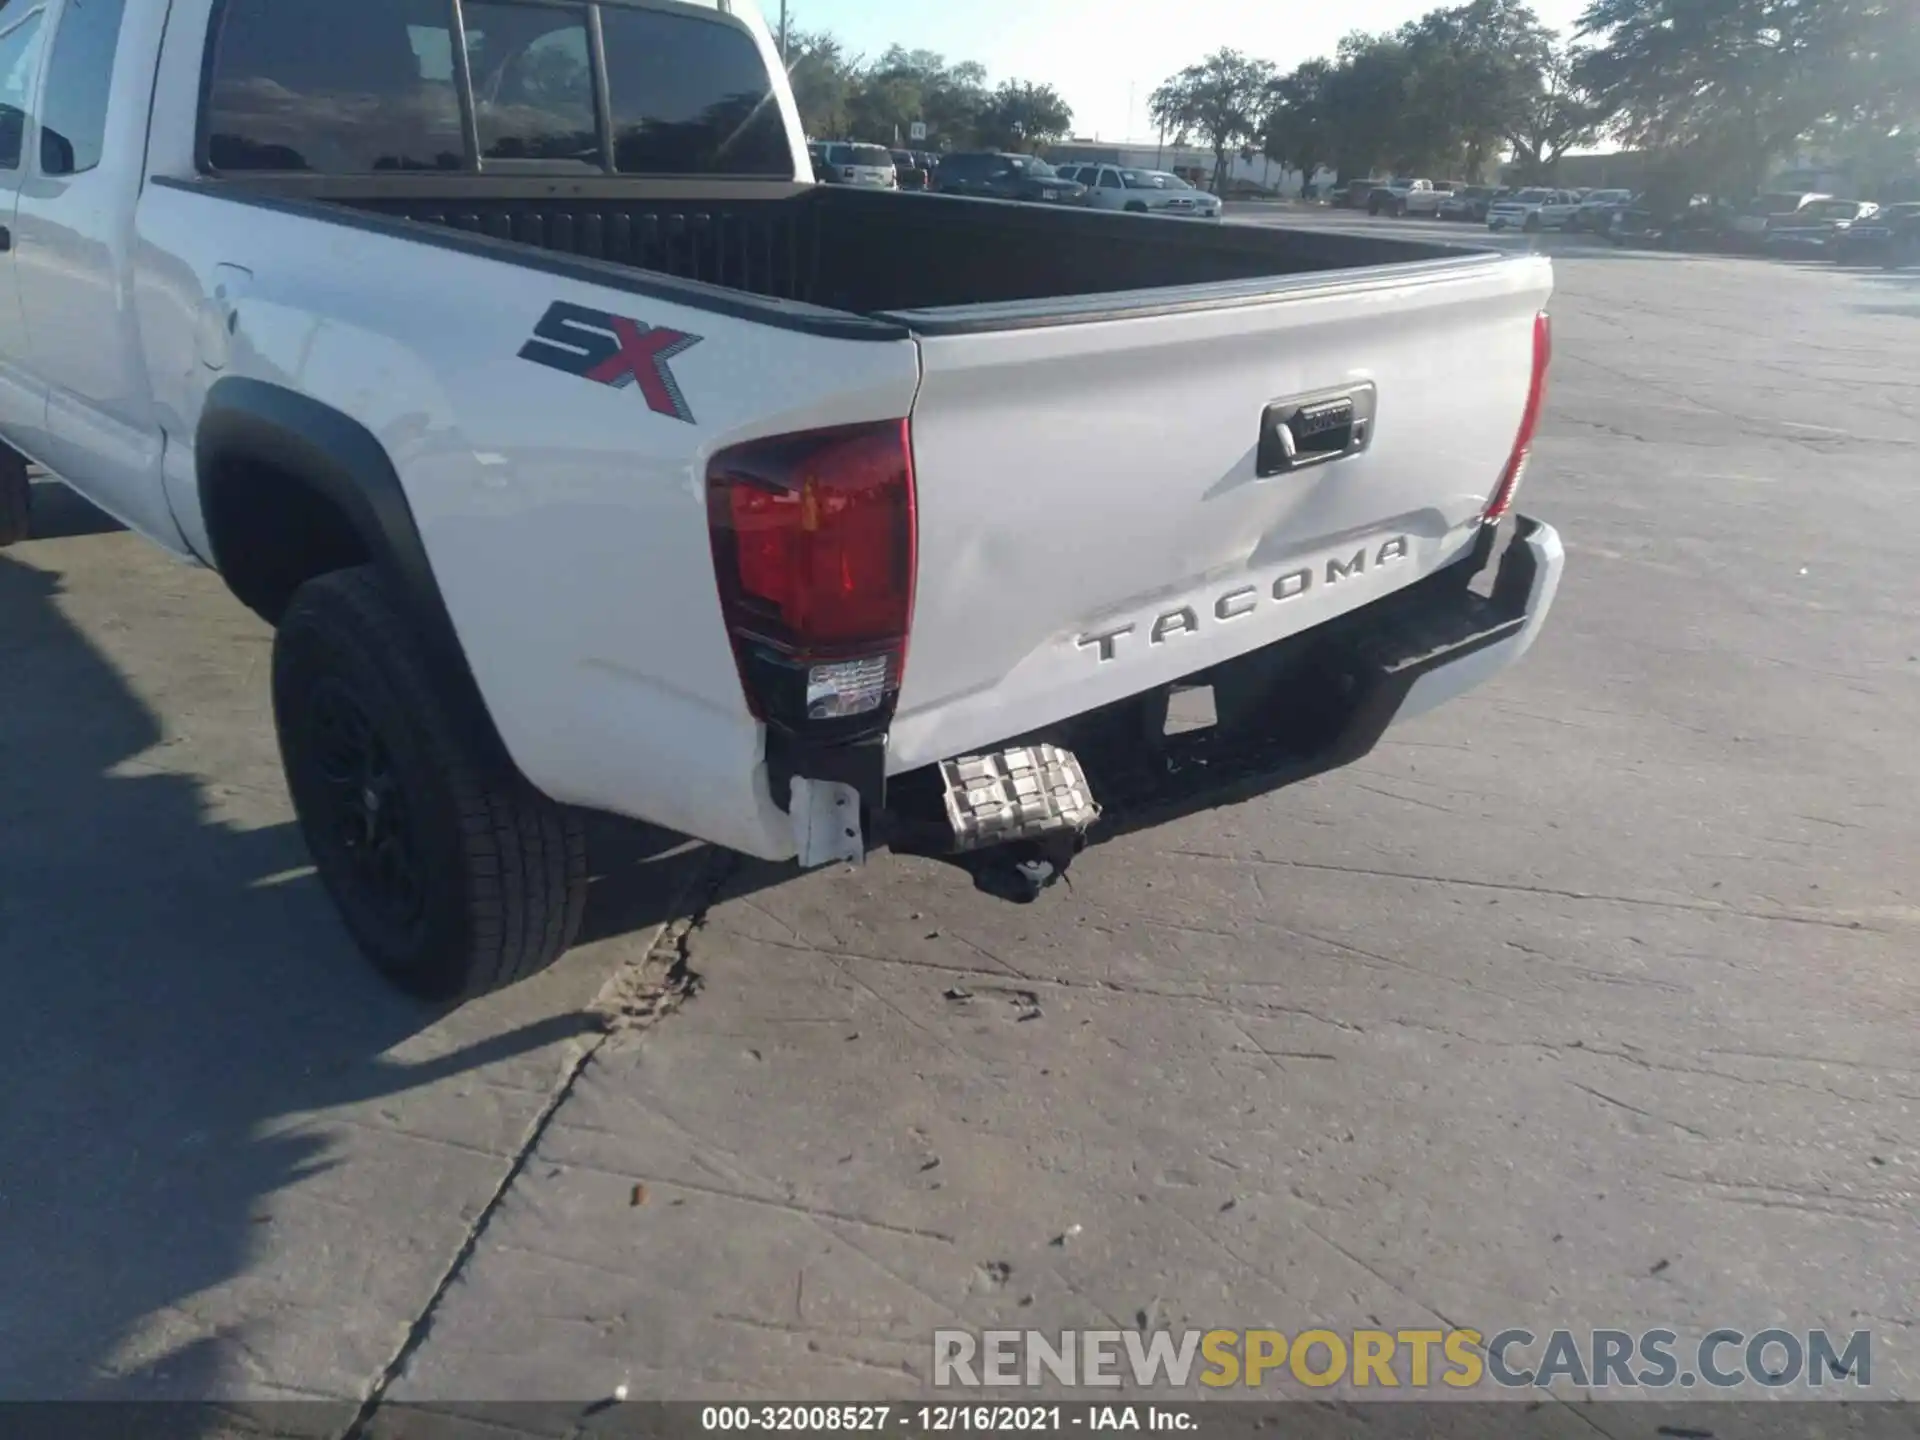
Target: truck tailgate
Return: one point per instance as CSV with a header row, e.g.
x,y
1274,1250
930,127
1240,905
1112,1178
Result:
x,y
1092,521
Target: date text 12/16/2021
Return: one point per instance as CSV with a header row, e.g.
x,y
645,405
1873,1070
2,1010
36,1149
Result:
x,y
943,1419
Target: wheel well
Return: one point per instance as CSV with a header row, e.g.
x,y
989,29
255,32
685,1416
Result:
x,y
273,530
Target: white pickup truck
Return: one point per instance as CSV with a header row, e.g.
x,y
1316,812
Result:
x,y
585,456
1534,209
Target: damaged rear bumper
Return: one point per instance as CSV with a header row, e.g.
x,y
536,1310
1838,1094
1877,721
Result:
x,y
1298,708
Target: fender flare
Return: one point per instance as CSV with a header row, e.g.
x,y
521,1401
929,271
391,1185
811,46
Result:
x,y
255,422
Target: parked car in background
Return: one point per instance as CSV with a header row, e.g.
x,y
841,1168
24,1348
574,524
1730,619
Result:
x,y
1812,228
843,163
1353,195
1534,208
1427,202
909,172
1698,224
1397,197
1751,224
1891,236
1158,192
1470,202
1595,212
996,175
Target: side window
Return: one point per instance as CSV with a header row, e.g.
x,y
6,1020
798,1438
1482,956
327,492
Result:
x,y
73,101
532,82
690,96
1110,180
347,88
19,59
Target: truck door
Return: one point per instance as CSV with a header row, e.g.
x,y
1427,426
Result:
x,y
23,400
73,238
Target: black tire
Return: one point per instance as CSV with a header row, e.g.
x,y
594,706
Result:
x,y
1400,210
1134,207
16,498
1373,207
453,874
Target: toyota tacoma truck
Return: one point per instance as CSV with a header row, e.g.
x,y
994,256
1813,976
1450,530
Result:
x,y
585,456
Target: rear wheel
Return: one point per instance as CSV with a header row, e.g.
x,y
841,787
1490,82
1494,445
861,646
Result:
x,y
453,874
16,498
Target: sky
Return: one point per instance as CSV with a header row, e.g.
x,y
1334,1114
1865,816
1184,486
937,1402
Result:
x,y
1105,59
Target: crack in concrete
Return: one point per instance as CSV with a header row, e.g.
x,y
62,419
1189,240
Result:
x,y
1695,907
677,982
1636,1110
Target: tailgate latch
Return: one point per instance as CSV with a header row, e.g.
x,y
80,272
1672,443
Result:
x,y
1312,429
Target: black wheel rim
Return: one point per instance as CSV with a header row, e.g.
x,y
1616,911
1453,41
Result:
x,y
364,815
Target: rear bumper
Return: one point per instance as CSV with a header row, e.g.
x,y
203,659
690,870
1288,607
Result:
x,y
1303,706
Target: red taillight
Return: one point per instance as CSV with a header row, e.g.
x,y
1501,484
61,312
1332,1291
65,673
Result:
x,y
1502,500
813,543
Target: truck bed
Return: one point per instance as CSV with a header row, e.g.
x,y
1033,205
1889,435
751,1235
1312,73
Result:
x,y
861,252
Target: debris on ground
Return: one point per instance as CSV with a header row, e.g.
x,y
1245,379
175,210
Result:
x,y
995,1273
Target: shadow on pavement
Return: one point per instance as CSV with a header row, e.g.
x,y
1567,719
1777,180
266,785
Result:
x,y
170,986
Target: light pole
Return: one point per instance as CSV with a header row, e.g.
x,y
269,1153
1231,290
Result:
x,y
783,33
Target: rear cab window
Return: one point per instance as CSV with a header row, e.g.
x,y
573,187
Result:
x,y
351,88
365,86
532,83
691,96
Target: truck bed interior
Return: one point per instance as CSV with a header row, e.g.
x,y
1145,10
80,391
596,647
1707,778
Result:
x,y
867,252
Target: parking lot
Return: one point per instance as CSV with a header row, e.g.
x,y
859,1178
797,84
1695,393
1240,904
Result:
x,y
1589,1000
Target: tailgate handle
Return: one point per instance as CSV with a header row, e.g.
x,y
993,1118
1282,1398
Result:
x,y
1312,429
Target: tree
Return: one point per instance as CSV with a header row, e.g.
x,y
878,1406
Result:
x,y
1738,83
1470,72
950,96
881,107
823,80
1023,116
1298,133
1552,119
1365,105
1225,100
